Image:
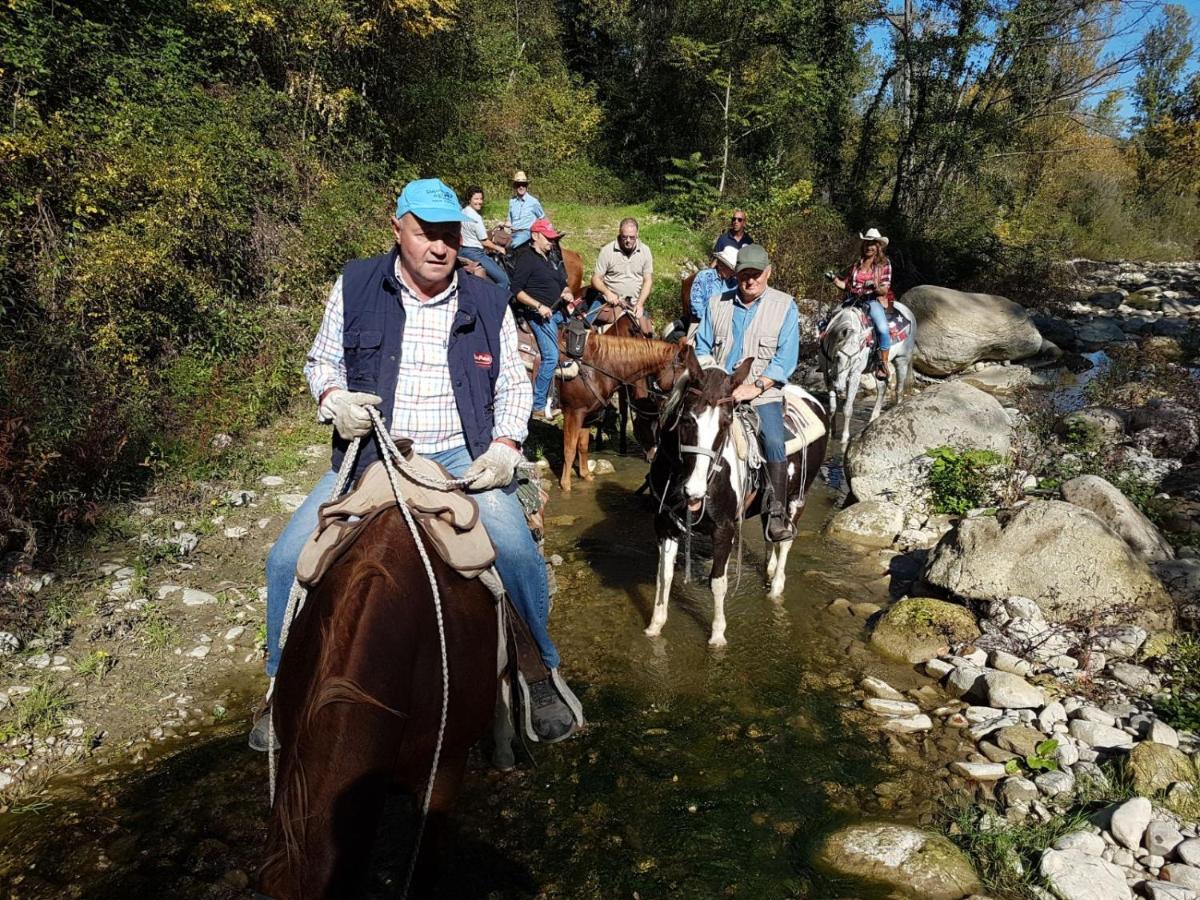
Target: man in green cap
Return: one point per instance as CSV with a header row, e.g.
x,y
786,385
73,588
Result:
x,y
758,321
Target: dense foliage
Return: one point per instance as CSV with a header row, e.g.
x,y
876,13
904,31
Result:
x,y
180,179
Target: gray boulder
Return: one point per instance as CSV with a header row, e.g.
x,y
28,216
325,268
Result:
x,y
1165,428
955,329
1095,332
1057,330
1116,511
1108,297
871,523
1105,423
1075,875
1059,555
908,860
888,461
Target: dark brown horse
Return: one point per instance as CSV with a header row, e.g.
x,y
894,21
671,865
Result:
x,y
700,478
357,708
608,363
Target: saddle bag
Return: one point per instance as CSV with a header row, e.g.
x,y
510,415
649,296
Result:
x,y
576,337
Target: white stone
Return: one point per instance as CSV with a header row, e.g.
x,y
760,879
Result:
x,y
187,542
1050,714
876,687
193,597
1162,733
199,652
271,481
1189,851
982,713
882,707
1161,838
1056,784
1136,677
234,633
983,729
236,532
1129,821
1094,714
908,724
1009,662
1076,875
40,661
1165,890
1012,692
165,590
9,643
1100,737
938,668
979,771
1085,841
291,502
1183,875
963,680
1015,790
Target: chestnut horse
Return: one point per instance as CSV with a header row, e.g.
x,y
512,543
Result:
x,y
608,363
703,484
358,704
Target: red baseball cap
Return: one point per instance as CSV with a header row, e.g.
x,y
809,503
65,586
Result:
x,y
543,226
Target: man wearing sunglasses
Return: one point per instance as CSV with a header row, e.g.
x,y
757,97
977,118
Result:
x,y
523,210
737,236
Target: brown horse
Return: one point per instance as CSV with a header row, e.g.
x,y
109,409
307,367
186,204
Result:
x,y
609,362
358,703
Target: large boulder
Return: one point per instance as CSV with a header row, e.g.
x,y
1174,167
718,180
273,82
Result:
x,y
888,461
956,329
1118,513
1155,767
921,628
872,523
1059,555
909,861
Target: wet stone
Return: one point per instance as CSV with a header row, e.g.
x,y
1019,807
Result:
x,y
877,687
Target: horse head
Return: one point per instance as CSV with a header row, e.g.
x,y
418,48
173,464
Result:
x,y
651,398
705,415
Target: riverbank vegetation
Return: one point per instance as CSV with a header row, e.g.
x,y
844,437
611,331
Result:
x,y
181,179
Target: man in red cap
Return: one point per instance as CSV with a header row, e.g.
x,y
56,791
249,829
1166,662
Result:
x,y
539,283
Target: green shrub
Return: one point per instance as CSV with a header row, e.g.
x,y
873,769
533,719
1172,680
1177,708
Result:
x,y
962,480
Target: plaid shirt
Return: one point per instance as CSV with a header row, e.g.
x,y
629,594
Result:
x,y
424,409
860,278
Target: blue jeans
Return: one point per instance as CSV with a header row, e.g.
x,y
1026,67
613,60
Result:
x,y
521,566
879,320
545,332
770,430
494,269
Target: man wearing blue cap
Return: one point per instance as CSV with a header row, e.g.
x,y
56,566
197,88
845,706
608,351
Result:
x,y
437,355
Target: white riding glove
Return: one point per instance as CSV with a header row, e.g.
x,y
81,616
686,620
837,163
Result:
x,y
494,469
348,412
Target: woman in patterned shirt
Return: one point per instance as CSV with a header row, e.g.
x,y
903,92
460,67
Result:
x,y
870,278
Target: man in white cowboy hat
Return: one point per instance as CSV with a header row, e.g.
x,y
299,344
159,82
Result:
x,y
523,210
716,279
870,279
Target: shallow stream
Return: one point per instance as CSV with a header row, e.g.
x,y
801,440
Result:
x,y
703,773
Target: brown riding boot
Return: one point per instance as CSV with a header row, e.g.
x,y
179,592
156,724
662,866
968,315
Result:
x,y
779,524
881,371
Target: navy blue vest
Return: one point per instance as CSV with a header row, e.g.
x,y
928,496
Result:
x,y
373,334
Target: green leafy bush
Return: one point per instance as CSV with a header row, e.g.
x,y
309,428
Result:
x,y
962,480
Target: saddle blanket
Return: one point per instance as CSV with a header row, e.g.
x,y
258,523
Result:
x,y
798,419
898,326
449,521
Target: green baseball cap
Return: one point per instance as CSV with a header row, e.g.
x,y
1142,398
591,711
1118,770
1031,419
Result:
x,y
752,257
429,199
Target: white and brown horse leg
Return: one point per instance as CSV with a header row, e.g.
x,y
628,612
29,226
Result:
x,y
722,543
668,547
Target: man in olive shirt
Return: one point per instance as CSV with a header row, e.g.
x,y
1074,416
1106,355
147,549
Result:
x,y
625,268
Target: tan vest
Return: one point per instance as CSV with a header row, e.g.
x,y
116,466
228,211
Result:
x,y
760,339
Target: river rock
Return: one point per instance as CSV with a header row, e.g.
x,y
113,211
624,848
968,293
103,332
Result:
x,y
1084,841
1181,578
193,597
877,687
1056,784
888,459
1116,511
1107,297
1155,767
1165,890
908,724
956,329
978,771
1161,838
1058,554
1136,678
902,857
1129,821
1099,737
1096,332
1008,691
1189,851
1075,875
1060,331
883,707
1182,875
1103,423
1002,379
1020,739
1014,790
1165,428
921,628
871,523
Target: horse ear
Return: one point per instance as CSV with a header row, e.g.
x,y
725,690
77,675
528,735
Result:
x,y
740,373
695,373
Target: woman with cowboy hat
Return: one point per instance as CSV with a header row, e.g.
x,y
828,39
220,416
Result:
x,y
871,278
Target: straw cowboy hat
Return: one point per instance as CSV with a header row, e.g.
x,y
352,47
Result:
x,y
519,177
872,234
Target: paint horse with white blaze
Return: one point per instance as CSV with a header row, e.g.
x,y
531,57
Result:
x,y
847,342
705,485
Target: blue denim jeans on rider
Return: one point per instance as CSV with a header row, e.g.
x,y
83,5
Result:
x,y
494,269
545,331
521,566
770,429
879,320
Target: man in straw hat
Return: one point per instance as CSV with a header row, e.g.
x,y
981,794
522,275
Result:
x,y
523,210
760,322
437,355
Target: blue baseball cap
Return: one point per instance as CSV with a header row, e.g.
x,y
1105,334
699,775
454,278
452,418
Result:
x,y
429,199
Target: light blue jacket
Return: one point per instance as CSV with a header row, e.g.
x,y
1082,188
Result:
x,y
522,213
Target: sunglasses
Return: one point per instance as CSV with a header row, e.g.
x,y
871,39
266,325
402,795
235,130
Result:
x,y
520,184
738,219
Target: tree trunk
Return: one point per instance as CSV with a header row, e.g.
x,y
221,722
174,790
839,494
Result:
x,y
725,125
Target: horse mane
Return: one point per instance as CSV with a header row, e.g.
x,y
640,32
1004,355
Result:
x,y
612,353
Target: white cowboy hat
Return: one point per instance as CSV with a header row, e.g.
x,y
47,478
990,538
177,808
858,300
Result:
x,y
728,256
873,234
519,177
